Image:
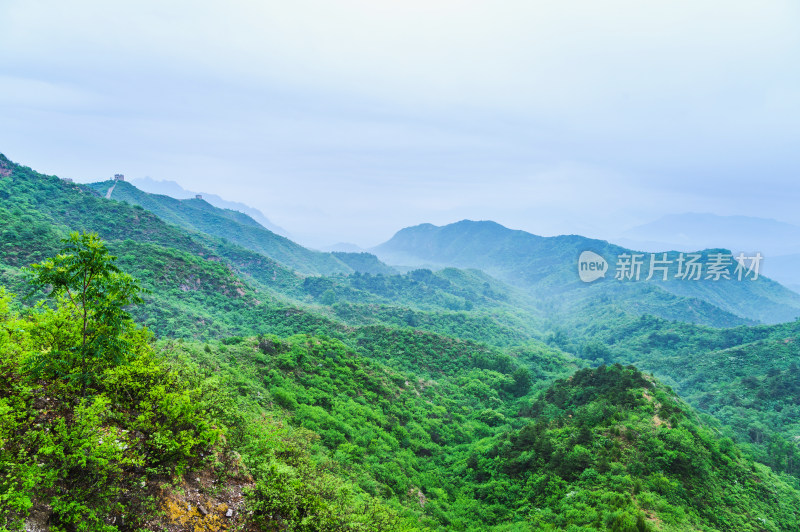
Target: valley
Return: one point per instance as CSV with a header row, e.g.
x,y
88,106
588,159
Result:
x,y
456,377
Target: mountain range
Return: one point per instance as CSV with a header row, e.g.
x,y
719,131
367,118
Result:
x,y
460,377
174,190
547,267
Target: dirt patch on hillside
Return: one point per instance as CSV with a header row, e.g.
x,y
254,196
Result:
x,y
201,504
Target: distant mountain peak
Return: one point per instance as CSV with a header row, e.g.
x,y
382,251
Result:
x,y
175,190
547,267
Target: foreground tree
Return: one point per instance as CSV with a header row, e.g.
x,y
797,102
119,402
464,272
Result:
x,y
89,329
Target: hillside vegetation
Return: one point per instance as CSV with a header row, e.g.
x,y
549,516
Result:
x,y
239,228
158,375
546,266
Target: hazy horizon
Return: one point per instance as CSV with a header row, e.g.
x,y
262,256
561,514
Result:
x,y
347,122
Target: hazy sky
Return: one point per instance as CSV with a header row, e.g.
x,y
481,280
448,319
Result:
x,y
347,120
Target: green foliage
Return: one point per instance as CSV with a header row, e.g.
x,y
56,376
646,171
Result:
x,y
300,497
238,228
375,400
364,263
89,459
744,376
606,448
394,434
84,458
90,331
609,448
546,267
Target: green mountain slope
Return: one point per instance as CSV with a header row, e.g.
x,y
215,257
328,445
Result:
x,y
609,448
426,398
744,376
364,263
548,267
191,278
203,286
155,442
466,448
237,227
174,190
304,433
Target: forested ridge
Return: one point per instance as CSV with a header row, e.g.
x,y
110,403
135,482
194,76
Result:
x,y
163,377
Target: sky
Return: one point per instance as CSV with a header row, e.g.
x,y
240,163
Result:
x,y
346,121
